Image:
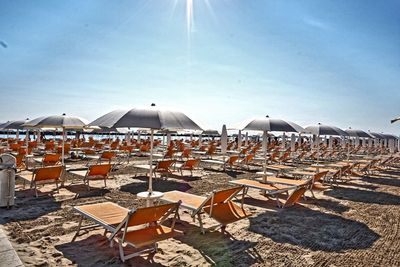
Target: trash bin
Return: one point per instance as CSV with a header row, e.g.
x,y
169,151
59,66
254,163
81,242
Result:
x,y
7,180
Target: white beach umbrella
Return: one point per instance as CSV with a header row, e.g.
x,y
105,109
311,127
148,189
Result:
x,y
57,121
14,125
150,118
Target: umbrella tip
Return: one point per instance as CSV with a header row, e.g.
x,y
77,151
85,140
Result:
x,y
319,123
64,114
267,116
153,105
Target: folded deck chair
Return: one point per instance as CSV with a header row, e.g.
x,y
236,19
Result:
x,y
218,205
274,189
140,228
99,171
45,175
230,161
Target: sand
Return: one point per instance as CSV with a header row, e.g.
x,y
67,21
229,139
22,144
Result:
x,y
356,224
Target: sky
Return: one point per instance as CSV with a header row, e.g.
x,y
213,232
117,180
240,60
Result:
x,y
218,61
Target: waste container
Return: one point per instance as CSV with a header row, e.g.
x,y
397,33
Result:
x,y
7,180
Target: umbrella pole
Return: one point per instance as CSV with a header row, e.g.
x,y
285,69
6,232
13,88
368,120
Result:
x,y
265,139
151,163
27,142
62,148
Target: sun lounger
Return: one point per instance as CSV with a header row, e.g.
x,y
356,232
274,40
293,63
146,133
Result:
x,y
99,171
275,189
49,160
44,175
218,205
189,165
162,167
140,228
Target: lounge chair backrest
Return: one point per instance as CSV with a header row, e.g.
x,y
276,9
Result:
x,y
51,159
149,215
295,196
48,173
318,176
99,170
222,196
232,159
186,153
165,164
191,163
108,155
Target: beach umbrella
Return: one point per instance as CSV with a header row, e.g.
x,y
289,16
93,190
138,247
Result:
x,y
150,118
358,133
269,125
394,120
210,132
321,129
246,139
57,121
14,125
272,125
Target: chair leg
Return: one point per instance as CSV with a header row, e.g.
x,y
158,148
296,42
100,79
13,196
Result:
x,y
79,228
201,224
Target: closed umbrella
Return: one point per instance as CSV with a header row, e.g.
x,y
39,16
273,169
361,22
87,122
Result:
x,y
239,144
224,140
57,121
151,118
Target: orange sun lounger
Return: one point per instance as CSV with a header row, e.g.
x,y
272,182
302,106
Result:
x,y
218,205
275,189
99,171
140,228
45,175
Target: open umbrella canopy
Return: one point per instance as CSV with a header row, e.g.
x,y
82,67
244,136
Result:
x,y
56,121
394,120
151,118
13,125
268,124
390,136
358,133
321,129
377,135
210,132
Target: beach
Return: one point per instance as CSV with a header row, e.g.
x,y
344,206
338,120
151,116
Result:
x,y
356,224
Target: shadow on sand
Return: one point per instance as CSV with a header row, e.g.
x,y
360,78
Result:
x,y
313,230
218,249
363,196
28,207
158,185
382,181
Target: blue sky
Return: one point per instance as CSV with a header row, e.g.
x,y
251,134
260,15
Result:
x,y
335,62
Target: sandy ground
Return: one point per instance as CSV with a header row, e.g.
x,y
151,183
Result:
x,y
356,224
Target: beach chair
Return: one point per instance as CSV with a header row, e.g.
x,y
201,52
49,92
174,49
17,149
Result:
x,y
44,175
218,205
140,228
99,171
273,190
50,160
189,165
162,167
